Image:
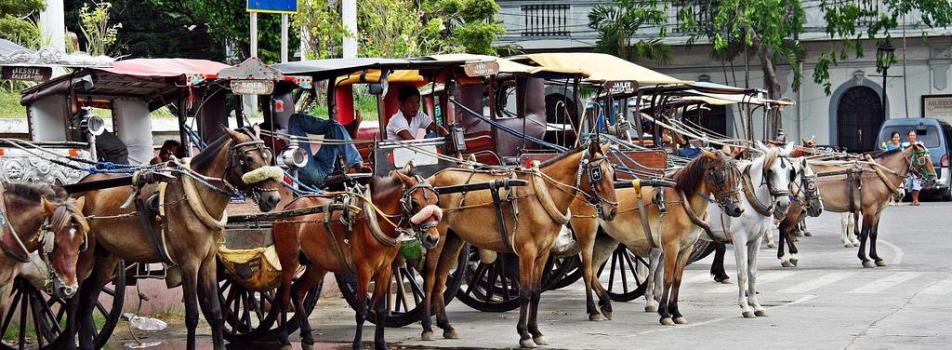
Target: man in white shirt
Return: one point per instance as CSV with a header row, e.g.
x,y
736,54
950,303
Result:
x,y
407,122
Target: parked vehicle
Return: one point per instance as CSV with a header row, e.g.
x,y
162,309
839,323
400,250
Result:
x,y
937,136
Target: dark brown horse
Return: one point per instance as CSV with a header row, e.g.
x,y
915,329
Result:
x,y
807,203
531,221
40,218
194,209
401,206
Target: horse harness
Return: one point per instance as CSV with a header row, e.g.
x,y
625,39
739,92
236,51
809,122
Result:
x,y
749,191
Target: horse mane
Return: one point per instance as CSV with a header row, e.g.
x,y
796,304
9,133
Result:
x,y
564,155
690,176
883,154
381,185
207,155
31,192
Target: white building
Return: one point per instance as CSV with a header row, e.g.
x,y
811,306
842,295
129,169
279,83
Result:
x,y
850,116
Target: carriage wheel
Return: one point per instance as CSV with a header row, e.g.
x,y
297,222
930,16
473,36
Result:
x,y
40,317
249,316
490,287
407,279
561,272
627,275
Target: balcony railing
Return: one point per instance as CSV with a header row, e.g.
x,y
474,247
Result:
x,y
546,20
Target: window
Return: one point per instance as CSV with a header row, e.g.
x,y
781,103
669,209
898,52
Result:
x,y
546,20
868,7
701,14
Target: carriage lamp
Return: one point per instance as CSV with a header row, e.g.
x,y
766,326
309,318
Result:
x,y
294,157
95,125
885,55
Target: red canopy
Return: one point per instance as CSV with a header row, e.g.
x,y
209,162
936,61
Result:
x,y
165,67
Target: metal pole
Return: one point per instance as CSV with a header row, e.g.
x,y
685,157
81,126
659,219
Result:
x,y
348,16
251,101
885,112
284,37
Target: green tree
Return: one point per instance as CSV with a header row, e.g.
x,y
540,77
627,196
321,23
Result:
x,y
618,22
460,26
18,21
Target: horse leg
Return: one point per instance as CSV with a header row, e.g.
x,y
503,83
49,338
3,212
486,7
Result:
x,y
312,276
782,238
429,277
845,229
682,262
208,299
586,242
604,248
794,251
190,294
288,249
740,258
379,301
363,284
753,249
526,261
532,323
768,238
101,275
863,236
855,232
451,252
873,235
655,270
670,262
717,266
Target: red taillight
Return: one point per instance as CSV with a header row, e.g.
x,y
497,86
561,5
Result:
x,y
945,160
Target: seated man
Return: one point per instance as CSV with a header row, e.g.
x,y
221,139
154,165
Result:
x,y
406,123
321,164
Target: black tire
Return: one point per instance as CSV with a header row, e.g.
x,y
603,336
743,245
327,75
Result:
x,y
562,272
490,287
250,316
403,312
627,275
47,313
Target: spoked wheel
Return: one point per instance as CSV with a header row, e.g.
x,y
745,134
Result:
x,y
406,292
490,287
627,275
252,316
701,250
35,319
561,272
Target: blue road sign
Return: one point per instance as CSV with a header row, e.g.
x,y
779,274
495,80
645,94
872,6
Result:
x,y
272,6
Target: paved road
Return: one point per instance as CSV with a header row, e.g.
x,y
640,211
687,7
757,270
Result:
x,y
828,302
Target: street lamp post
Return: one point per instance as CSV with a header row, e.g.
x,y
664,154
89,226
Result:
x,y
885,54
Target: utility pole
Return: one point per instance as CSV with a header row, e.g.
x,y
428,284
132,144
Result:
x,y
348,16
53,26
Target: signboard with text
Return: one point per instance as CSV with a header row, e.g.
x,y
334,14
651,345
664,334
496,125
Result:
x,y
272,6
937,106
27,73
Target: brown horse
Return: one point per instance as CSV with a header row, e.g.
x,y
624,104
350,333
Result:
x,y
194,207
879,180
48,221
807,203
531,221
671,231
368,249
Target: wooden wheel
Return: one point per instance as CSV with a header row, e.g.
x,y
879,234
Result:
x,y
35,319
251,316
406,292
626,276
701,250
562,272
490,287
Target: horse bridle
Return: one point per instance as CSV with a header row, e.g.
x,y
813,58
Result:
x,y
723,196
238,150
406,207
809,187
593,169
918,162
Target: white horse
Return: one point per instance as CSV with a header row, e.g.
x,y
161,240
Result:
x,y
766,196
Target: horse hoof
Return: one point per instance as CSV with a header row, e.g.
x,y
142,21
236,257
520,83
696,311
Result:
x,y
867,264
796,238
794,261
540,340
771,245
667,321
725,280
680,320
760,313
786,263
450,334
527,344
748,314
881,263
848,245
286,347
305,346
427,336
607,314
595,317
651,308
807,234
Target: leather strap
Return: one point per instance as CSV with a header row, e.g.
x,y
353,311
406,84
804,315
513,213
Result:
x,y
374,225
759,207
329,231
882,176
145,220
7,230
643,215
542,193
500,219
697,221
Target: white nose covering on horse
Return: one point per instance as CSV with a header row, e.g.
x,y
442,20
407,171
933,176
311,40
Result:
x,y
263,173
429,214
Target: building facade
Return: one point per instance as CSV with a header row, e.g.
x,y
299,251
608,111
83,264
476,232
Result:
x,y
849,116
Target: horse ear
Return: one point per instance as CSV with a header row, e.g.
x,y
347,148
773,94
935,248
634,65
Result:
x,y
760,145
407,180
80,203
788,148
48,206
709,155
234,135
257,130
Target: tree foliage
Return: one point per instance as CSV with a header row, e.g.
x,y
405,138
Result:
x,y
18,21
616,23
99,33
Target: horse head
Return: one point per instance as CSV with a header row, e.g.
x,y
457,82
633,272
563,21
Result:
x,y
250,167
61,240
596,180
921,162
722,178
420,203
778,175
806,189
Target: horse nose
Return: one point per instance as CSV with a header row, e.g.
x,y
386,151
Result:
x,y
430,241
67,291
738,211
